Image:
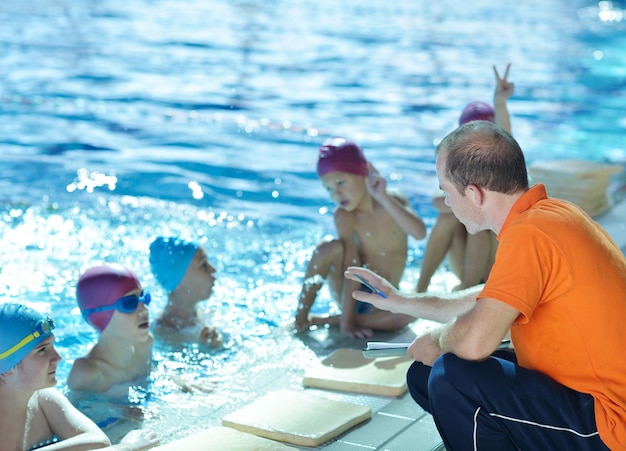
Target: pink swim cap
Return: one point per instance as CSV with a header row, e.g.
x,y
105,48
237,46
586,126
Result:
x,y
338,154
477,111
103,285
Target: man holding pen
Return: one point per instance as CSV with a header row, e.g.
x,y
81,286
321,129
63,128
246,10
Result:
x,y
558,286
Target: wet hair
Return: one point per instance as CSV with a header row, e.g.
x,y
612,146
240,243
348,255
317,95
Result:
x,y
481,153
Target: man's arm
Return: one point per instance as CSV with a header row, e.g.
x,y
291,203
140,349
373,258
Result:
x,y
440,307
473,335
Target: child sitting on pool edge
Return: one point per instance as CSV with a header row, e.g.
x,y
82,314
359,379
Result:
x,y
470,257
182,268
112,300
372,224
34,413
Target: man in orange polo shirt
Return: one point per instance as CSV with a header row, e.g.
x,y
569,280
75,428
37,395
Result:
x,y
558,286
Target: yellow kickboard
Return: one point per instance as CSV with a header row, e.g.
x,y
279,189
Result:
x,y
297,417
347,370
222,438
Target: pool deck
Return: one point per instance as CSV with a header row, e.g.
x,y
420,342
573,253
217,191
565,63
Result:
x,y
397,423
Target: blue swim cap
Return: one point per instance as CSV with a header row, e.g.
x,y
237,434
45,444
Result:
x,y
169,260
18,326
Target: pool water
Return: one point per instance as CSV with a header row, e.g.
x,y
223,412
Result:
x,y
123,120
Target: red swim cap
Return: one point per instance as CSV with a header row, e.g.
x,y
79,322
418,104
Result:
x,y
477,111
338,154
103,285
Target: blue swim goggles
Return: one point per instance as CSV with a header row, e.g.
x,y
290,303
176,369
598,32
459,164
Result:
x,y
127,304
42,327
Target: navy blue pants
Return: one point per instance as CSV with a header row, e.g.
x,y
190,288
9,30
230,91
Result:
x,y
497,405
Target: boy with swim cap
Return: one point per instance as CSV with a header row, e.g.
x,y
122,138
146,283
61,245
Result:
x,y
112,300
373,224
34,413
470,257
182,268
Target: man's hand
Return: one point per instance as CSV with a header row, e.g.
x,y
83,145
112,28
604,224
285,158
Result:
x,y
426,348
375,280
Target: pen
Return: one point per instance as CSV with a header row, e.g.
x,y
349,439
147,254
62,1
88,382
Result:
x,y
371,287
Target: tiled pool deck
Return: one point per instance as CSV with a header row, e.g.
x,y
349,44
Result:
x,y
397,423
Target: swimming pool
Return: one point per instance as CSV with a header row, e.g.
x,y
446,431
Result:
x,y
122,120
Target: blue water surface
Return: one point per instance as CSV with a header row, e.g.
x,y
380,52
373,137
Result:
x,y
120,120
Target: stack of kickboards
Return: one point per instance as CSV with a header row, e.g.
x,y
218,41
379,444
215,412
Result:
x,y
584,183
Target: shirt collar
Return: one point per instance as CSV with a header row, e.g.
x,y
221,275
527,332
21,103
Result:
x,y
528,199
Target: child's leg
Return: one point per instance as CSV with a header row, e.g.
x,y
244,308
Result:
x,y
441,239
326,262
478,259
383,321
458,249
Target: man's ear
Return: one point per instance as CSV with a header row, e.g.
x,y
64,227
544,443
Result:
x,y
476,193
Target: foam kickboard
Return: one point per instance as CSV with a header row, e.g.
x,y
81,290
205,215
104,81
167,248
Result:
x,y
580,169
347,370
223,438
297,417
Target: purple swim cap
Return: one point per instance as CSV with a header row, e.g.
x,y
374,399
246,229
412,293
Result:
x,y
477,111
338,154
103,285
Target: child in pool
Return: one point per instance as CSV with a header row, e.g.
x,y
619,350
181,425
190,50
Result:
x,y
34,413
112,300
182,268
470,256
372,224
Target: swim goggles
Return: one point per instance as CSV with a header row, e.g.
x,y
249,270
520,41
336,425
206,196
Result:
x,y
127,304
42,327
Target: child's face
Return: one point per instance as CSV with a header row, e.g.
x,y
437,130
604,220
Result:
x,y
131,326
199,278
345,189
38,369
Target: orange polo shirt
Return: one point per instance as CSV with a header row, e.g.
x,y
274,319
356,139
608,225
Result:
x,y
567,278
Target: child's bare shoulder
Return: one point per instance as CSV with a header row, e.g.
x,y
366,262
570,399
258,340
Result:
x,y
84,372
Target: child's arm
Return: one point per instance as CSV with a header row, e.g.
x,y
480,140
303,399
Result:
x,y
396,205
504,90
76,431
345,225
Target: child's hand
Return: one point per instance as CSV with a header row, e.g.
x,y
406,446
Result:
x,y
301,322
356,331
376,185
504,88
212,336
139,440
190,386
